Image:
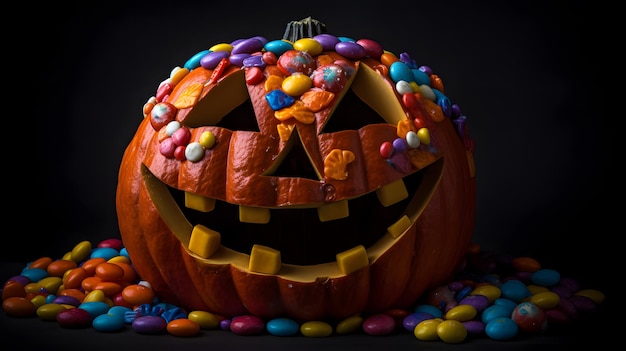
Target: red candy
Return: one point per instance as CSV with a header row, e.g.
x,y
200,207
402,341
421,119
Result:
x,y
74,318
292,61
330,77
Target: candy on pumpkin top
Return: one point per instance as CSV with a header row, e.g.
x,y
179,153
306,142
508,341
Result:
x,y
303,78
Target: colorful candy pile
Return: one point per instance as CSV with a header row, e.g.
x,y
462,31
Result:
x,y
98,287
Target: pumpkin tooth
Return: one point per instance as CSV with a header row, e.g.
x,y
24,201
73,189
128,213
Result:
x,y
199,202
396,229
204,242
264,259
259,215
353,259
392,193
333,210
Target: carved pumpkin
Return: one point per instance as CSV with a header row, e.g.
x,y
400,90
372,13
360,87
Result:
x,y
303,181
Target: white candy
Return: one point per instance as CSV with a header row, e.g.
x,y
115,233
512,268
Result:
x,y
412,140
172,127
194,152
403,87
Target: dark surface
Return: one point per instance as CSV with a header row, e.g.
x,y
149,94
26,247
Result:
x,y
527,74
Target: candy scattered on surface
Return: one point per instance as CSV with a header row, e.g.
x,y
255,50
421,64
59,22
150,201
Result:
x,y
470,305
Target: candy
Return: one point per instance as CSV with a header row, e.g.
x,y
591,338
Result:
x,y
282,327
501,328
74,318
149,325
451,331
529,317
460,308
316,329
349,325
379,324
108,322
183,327
247,325
427,330
18,307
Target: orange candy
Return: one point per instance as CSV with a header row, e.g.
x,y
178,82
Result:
x,y
76,293
41,263
109,289
183,327
89,283
59,267
13,289
137,294
74,278
91,264
130,275
18,307
525,264
109,271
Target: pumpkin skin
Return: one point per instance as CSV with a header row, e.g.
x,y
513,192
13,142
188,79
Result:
x,y
245,168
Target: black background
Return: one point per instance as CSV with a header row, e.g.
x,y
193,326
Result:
x,y
529,75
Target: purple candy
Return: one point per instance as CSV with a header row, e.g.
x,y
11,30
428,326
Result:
x,y
412,320
149,325
225,324
212,59
237,59
20,279
569,283
350,50
563,292
328,41
583,303
474,327
66,300
247,46
254,61
479,302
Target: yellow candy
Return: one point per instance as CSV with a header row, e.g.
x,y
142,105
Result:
x,y
349,325
309,45
95,296
81,251
316,329
545,299
424,136
492,292
206,320
38,301
221,47
595,295
461,313
296,84
51,284
32,288
426,330
207,139
48,312
451,331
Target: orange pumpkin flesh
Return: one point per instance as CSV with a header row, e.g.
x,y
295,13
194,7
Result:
x,y
412,244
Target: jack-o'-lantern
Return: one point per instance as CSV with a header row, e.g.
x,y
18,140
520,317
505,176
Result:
x,y
314,178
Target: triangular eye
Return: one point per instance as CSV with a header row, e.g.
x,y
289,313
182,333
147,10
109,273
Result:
x,y
241,118
370,99
293,161
226,105
351,114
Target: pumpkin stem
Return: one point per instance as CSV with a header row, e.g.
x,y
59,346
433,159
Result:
x,y
304,28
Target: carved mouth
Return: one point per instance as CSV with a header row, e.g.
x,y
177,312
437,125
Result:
x,y
298,242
